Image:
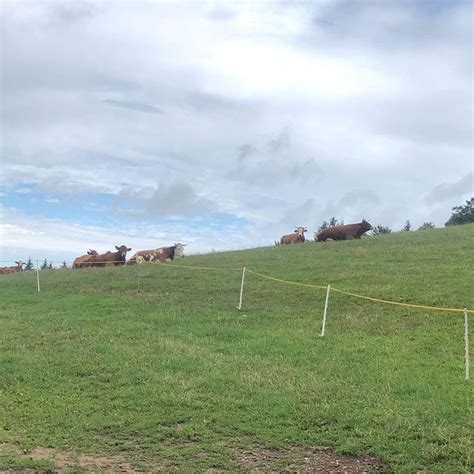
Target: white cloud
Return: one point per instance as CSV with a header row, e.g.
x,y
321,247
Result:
x,y
269,111
56,240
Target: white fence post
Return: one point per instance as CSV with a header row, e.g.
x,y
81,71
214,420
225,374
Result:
x,y
38,276
466,344
241,290
323,328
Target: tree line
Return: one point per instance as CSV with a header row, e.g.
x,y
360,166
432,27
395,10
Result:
x,y
44,266
462,214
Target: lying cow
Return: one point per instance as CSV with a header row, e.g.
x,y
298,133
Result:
x,y
109,258
80,262
17,268
161,254
296,238
343,232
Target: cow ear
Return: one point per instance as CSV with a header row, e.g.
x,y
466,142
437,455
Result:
x,y
118,248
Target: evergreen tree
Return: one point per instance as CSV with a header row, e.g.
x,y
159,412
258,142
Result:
x,y
64,265
29,264
407,227
462,214
50,266
44,265
323,226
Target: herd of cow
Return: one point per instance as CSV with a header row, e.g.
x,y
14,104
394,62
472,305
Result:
x,y
163,254
338,232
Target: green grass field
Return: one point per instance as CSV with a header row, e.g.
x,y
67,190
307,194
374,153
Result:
x,y
156,365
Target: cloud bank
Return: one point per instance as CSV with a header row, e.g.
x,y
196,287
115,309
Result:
x,y
248,118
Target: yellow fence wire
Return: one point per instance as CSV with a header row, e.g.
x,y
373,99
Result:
x,y
320,287
355,295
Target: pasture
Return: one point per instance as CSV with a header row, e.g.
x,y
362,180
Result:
x,y
152,367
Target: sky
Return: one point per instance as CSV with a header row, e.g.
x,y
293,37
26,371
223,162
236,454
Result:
x,y
225,124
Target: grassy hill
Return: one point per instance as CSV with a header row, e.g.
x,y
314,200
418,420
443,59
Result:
x,y
153,366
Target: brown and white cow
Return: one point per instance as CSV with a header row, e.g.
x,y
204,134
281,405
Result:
x,y
81,262
17,268
343,232
296,238
109,258
161,254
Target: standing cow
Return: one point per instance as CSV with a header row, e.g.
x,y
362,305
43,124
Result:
x,y
296,238
343,232
158,255
80,262
17,268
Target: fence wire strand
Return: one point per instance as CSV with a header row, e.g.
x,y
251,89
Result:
x,y
295,283
370,298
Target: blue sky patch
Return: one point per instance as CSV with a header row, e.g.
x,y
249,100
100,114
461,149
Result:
x,y
100,209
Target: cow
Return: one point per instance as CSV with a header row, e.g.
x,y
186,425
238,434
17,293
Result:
x,y
343,232
109,258
296,238
17,268
80,262
158,255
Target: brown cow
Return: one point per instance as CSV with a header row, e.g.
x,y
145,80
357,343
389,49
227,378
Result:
x,y
109,258
343,232
296,238
80,262
158,255
17,268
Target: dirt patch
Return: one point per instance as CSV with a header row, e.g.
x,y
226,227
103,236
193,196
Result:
x,y
11,448
255,460
64,460
294,459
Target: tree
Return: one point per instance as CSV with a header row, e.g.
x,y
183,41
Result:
x,y
426,226
64,265
44,265
333,222
29,264
50,266
407,227
462,214
380,229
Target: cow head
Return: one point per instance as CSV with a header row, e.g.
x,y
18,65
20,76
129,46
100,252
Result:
x,y
301,230
19,264
122,251
365,226
179,250
92,252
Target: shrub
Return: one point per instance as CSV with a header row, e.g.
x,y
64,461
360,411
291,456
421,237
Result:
x,y
426,226
333,222
380,229
462,214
